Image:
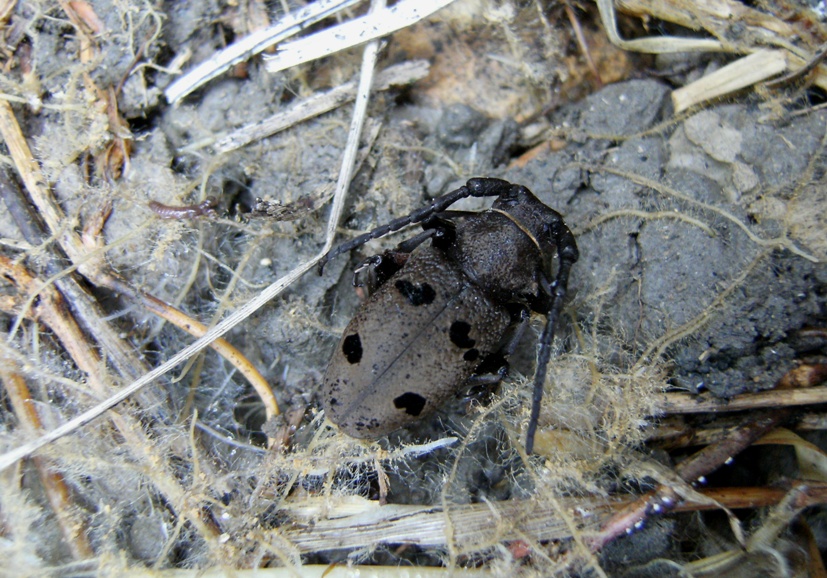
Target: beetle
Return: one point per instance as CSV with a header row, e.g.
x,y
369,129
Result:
x,y
448,313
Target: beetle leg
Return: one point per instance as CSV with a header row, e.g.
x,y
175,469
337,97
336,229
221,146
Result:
x,y
444,230
490,380
521,318
495,367
479,385
567,252
374,271
479,187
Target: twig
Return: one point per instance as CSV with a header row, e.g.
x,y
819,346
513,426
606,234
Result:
x,y
83,305
71,337
55,488
691,403
817,58
701,464
669,435
475,526
35,183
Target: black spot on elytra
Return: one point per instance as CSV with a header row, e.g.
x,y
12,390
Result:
x,y
417,294
459,334
471,355
352,348
412,403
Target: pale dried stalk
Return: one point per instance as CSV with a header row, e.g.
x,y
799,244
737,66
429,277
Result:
x,y
307,108
253,44
700,14
29,171
372,26
716,17
737,75
476,526
652,44
473,525
55,488
692,403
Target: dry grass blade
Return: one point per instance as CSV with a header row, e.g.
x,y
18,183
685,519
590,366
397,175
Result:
x,y
253,44
812,460
654,44
353,33
396,75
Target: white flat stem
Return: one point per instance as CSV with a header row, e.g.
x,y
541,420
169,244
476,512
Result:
x,y
354,32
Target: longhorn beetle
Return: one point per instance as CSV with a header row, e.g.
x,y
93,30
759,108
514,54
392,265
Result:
x,y
444,314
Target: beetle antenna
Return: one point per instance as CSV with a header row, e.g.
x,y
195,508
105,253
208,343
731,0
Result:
x,y
473,188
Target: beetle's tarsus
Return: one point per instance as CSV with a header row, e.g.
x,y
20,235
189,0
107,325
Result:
x,y
320,265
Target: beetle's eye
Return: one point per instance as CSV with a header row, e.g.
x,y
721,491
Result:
x,y
508,199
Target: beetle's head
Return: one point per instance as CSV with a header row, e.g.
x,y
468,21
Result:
x,y
541,222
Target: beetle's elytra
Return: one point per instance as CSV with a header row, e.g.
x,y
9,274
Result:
x,y
442,312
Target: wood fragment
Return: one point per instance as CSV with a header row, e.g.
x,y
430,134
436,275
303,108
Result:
x,y
474,525
693,403
744,72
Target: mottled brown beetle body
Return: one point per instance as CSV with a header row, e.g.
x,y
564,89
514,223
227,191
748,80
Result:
x,y
441,312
